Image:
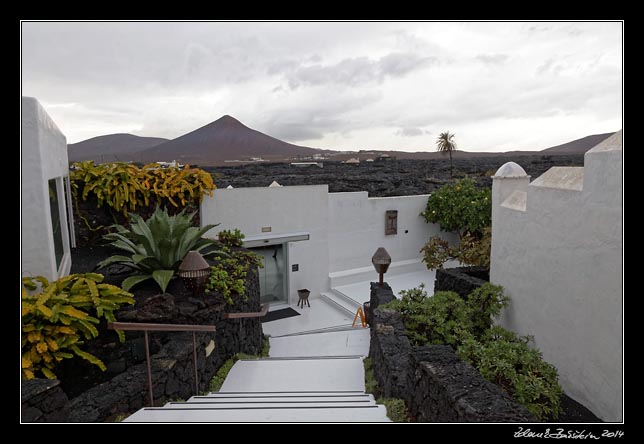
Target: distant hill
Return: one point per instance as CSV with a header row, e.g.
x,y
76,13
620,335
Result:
x,y
224,139
578,146
228,139
111,148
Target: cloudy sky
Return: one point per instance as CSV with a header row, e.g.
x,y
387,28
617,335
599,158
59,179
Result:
x,y
351,86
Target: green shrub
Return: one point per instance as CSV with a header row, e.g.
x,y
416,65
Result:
x,y
466,210
231,238
474,250
446,318
500,355
460,207
396,409
56,318
157,246
471,250
505,359
229,273
486,303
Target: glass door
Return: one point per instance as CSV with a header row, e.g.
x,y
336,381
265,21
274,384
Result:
x,y
273,277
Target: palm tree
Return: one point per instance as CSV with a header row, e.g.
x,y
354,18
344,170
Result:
x,y
445,144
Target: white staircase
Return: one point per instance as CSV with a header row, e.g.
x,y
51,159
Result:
x,y
305,389
341,301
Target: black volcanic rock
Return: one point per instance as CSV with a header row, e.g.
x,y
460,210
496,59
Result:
x,y
111,148
224,139
402,177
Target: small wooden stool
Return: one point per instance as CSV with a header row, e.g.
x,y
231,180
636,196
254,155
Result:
x,y
304,297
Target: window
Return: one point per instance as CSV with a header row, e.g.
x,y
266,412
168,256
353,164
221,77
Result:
x,y
55,221
391,222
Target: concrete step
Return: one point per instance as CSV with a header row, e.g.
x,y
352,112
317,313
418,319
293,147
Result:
x,y
346,327
319,393
285,398
346,305
277,404
336,343
295,375
370,413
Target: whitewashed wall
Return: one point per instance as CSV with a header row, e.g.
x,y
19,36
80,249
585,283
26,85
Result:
x,y
345,228
557,250
285,210
43,157
357,229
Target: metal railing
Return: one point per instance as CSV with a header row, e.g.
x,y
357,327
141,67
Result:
x,y
145,328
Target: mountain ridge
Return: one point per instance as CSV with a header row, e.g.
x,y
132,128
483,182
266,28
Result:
x,y
227,139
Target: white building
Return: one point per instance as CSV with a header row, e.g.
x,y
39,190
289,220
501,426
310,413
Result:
x,y
314,239
557,249
46,220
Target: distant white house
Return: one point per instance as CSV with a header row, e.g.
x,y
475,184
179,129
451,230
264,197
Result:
x,y
173,164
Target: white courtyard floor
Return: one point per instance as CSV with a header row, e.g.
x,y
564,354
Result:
x,y
320,315
360,291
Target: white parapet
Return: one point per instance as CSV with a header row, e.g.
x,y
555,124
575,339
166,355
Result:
x,y
557,250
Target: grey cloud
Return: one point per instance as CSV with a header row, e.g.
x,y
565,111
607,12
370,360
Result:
x,y
493,59
399,64
295,131
409,132
313,119
550,65
359,70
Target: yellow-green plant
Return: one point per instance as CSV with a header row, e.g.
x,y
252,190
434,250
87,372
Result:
x,y
58,315
123,186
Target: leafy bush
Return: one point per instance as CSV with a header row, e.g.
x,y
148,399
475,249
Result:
x,y
56,317
466,210
485,303
470,251
396,409
229,273
460,207
123,186
500,355
446,318
157,246
505,359
231,238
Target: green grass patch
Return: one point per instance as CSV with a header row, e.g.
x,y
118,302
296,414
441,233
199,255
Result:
x,y
218,380
396,408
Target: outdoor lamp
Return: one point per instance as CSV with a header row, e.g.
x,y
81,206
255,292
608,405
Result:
x,y
381,261
194,272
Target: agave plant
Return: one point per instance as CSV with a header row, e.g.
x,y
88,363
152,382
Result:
x,y
157,246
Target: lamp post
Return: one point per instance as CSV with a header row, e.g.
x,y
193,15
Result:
x,y
194,272
381,261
